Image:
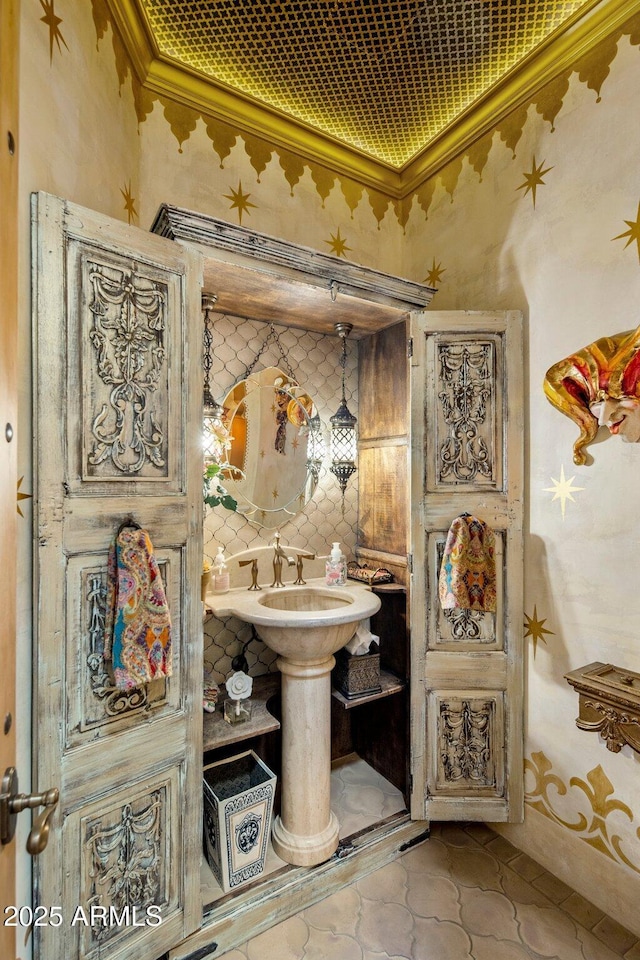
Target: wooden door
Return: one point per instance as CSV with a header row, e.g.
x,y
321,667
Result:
x,y
467,670
117,394
9,20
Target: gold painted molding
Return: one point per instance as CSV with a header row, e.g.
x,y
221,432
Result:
x,y
163,78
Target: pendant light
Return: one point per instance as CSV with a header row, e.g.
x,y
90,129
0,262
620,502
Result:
x,y
343,425
214,434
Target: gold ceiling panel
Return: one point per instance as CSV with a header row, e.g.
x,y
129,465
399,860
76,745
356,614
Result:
x,y
385,78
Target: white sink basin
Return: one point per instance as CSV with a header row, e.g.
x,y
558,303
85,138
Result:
x,y
303,623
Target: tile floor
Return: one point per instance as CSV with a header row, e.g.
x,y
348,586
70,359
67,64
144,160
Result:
x,y
465,894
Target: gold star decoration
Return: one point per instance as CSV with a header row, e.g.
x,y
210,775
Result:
x,y
434,276
239,201
533,180
21,496
274,493
562,490
536,628
295,443
633,232
338,244
129,202
53,23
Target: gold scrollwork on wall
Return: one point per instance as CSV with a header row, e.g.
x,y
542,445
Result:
x,y
585,807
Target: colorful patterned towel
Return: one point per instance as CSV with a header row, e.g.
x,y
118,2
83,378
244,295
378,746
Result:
x,y
468,570
137,636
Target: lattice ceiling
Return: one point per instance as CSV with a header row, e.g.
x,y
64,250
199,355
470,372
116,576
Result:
x,y
382,77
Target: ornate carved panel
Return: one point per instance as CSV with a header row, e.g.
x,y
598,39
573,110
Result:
x,y
465,438
125,864
461,629
468,730
94,703
465,410
128,371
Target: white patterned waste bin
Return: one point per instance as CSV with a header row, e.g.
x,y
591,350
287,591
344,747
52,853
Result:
x,y
238,804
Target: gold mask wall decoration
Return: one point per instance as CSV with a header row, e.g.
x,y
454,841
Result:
x,y
599,385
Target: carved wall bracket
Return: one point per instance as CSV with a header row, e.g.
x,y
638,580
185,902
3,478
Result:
x,y
609,703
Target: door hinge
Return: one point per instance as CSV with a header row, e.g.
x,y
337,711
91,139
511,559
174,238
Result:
x,y
410,563
409,347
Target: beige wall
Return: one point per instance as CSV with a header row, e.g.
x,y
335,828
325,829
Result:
x,y
558,262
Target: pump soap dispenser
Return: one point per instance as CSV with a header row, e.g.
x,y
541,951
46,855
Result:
x,y
220,573
336,567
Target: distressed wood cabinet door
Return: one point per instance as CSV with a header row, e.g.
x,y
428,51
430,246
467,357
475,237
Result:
x,y
467,670
117,392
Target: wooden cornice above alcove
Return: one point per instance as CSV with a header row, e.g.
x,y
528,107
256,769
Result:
x,y
609,703
266,278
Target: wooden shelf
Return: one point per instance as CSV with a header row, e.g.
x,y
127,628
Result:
x,y
218,733
608,703
388,681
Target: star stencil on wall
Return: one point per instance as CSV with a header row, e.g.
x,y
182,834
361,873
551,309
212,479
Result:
x,y
21,496
338,244
129,202
633,232
533,179
53,23
535,628
434,276
240,201
562,490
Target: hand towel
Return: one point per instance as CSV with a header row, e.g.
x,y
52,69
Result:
x,y
137,624
468,571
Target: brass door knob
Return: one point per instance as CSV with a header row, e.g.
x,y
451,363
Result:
x,y
12,803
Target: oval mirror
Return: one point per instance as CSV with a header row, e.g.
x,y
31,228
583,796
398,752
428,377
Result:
x,y
276,443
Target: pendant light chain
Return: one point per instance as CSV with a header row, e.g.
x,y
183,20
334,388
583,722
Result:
x,y
272,337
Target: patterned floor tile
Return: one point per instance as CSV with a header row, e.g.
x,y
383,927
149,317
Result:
x,y
464,894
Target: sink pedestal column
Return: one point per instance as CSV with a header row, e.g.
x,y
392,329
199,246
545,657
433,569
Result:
x,y
306,832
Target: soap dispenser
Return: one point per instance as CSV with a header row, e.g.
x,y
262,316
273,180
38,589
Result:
x,y
220,573
336,567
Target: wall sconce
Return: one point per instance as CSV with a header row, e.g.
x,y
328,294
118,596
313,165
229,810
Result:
x,y
343,426
214,433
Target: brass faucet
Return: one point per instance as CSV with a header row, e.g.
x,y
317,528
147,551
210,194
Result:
x,y
301,557
278,556
254,572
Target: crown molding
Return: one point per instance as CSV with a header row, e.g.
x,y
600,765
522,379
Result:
x,y
561,51
166,78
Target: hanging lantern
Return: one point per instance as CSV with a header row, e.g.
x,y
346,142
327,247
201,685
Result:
x,y
215,437
343,425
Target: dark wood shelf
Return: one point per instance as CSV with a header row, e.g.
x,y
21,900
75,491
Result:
x,y
218,733
388,681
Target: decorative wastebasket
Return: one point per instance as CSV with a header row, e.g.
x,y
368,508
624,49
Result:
x,y
238,804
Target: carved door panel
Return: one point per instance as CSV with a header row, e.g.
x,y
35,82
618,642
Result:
x,y
117,393
467,671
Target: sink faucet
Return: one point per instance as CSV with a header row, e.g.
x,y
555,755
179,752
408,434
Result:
x,y
254,572
278,556
301,557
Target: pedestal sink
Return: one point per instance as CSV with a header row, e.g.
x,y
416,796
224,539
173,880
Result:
x,y
304,625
